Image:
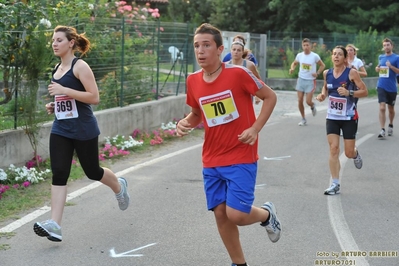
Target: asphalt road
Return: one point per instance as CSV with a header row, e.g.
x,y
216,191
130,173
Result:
x,y
167,222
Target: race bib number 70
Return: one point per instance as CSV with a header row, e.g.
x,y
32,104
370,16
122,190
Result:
x,y
219,108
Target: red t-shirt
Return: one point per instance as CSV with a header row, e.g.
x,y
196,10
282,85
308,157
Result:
x,y
227,110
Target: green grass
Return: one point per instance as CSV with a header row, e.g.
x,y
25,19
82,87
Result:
x,y
372,92
277,73
15,201
177,67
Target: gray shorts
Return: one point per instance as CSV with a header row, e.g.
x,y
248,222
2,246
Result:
x,y
305,85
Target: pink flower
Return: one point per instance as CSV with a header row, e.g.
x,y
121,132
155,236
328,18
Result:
x,y
16,186
26,184
128,8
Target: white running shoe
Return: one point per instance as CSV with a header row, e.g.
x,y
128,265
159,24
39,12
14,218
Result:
x,y
302,123
314,110
273,225
390,131
358,161
49,229
382,134
123,197
333,189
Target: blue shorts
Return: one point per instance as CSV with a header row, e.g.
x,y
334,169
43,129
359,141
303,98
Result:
x,y
233,184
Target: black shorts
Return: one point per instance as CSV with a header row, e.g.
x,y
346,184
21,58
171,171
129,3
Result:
x,y
397,78
386,96
349,128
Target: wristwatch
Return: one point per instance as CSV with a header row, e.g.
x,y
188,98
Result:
x,y
351,92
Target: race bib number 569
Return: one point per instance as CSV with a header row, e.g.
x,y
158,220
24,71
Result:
x,y
65,107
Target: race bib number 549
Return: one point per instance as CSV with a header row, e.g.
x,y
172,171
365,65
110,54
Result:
x,y
219,108
337,106
65,107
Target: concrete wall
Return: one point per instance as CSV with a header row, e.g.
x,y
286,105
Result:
x,y
16,149
289,84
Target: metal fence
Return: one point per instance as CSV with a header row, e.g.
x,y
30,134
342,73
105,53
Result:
x,y
136,61
133,61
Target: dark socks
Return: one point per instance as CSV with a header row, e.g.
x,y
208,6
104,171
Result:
x,y
245,264
390,125
267,220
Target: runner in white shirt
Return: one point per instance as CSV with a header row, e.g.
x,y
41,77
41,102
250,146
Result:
x,y
306,83
355,62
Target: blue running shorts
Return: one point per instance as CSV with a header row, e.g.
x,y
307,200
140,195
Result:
x,y
233,184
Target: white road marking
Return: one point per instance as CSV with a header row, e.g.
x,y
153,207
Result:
x,y
276,158
337,218
260,186
113,254
324,107
34,215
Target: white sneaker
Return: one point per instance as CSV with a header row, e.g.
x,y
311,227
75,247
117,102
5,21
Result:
x,y
302,123
314,110
382,134
358,161
333,189
123,197
390,131
273,225
49,229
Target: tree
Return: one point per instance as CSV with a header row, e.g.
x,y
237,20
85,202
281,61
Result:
x,y
231,15
23,56
190,11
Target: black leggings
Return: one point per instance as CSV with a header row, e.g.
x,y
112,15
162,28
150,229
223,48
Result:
x,y
61,155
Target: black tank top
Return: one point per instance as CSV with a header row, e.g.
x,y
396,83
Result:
x,y
85,126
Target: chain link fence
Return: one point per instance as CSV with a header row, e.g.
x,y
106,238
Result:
x,y
136,61
133,61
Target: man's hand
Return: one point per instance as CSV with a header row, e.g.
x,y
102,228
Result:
x,y
248,136
183,128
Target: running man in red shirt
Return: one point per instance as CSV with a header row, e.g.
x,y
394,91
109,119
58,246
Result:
x,y
220,95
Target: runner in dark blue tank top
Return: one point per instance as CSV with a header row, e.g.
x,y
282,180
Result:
x,y
75,128
238,57
342,86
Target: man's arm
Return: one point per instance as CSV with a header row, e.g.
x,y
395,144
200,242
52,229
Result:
x,y
322,66
293,66
188,123
323,94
